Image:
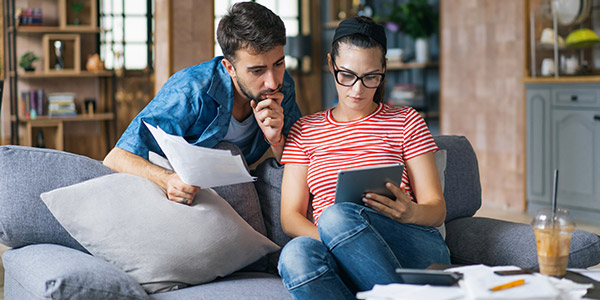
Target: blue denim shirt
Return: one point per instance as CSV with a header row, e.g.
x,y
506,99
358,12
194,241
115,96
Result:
x,y
196,103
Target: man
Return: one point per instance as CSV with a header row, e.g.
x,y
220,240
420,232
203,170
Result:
x,y
245,97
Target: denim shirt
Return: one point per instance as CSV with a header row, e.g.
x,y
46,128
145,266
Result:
x,y
196,103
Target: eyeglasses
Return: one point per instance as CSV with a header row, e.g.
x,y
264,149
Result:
x,y
349,78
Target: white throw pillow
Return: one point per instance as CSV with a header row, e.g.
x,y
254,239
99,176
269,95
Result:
x,y
164,245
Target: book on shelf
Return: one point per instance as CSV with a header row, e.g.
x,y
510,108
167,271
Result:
x,y
61,104
403,94
32,104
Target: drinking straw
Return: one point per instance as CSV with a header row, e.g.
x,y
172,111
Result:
x,y
554,192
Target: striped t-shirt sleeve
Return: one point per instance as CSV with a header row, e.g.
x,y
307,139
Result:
x,y
294,152
417,138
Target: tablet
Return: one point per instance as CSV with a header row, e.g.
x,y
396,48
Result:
x,y
353,183
431,277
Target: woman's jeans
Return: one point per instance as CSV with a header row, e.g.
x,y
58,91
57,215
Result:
x,y
359,248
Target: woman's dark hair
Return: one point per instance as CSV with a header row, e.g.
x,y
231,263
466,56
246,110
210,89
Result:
x,y
249,25
362,41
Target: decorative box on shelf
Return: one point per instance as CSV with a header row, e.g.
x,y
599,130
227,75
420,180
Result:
x,y
62,53
78,14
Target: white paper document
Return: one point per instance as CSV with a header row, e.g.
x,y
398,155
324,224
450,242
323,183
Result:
x,y
400,291
479,279
200,166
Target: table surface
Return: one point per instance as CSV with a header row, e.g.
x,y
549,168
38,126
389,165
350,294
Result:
x,y
593,293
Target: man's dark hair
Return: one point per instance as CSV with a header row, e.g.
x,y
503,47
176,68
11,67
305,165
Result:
x,y
251,26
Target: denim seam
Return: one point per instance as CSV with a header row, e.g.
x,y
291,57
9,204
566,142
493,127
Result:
x,y
365,227
319,273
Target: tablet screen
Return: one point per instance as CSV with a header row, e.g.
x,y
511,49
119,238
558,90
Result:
x,y
353,183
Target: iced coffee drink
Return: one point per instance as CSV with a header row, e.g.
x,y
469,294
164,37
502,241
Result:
x,y
553,239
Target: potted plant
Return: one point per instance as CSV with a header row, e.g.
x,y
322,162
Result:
x,y
419,20
26,61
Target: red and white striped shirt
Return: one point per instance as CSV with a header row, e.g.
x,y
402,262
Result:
x,y
388,135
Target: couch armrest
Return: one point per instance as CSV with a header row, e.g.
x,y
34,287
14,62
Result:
x,y
25,173
48,271
475,240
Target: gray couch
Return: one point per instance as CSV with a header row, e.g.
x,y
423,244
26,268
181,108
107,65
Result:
x,y
47,263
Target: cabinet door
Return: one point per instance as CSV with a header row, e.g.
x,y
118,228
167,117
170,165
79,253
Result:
x,y
539,174
576,154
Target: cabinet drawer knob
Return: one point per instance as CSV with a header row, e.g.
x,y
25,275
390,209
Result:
x,y
574,98
597,118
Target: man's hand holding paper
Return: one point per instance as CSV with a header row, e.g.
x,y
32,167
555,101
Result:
x,y
197,167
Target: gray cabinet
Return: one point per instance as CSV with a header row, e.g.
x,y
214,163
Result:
x,y
563,132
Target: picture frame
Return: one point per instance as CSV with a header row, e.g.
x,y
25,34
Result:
x,y
62,53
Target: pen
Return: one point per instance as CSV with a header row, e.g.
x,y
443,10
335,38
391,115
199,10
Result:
x,y
509,285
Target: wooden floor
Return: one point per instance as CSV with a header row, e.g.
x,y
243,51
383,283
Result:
x,y
491,212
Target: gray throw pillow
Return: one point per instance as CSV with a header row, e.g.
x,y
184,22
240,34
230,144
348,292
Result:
x,y
242,197
164,245
47,271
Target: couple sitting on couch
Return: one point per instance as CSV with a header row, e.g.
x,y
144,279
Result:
x,y
220,100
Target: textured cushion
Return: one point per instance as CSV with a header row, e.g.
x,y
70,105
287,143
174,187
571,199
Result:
x,y
269,174
128,221
242,197
27,172
462,188
268,185
56,272
259,286
475,240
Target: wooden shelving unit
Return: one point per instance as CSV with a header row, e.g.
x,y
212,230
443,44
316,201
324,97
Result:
x,y
53,29
410,65
74,30
75,74
562,79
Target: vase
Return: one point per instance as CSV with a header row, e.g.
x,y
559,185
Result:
x,y
422,50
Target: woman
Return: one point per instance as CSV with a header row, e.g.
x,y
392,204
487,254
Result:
x,y
351,247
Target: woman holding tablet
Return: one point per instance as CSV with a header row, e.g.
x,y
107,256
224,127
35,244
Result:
x,y
348,247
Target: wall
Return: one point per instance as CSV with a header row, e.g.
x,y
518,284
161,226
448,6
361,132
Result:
x,y
483,98
184,36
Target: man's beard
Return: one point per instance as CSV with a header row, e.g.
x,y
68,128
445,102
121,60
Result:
x,y
256,98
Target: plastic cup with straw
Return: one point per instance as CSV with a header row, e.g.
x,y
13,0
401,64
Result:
x,y
553,229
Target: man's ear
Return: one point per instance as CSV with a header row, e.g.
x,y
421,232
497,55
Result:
x,y
229,67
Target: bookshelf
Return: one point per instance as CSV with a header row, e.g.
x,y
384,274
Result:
x,y
63,40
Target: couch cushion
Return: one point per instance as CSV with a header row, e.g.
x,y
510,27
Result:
x,y
462,188
268,185
27,172
48,271
242,197
234,287
476,240
128,221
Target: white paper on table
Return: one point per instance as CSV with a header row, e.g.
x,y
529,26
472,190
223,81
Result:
x,y
591,273
400,291
479,279
200,166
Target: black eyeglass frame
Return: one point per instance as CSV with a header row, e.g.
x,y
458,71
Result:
x,y
336,71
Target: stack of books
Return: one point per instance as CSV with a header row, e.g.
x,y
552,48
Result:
x,y
61,104
32,104
406,95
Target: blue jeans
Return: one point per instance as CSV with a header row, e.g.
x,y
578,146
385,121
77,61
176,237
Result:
x,y
359,248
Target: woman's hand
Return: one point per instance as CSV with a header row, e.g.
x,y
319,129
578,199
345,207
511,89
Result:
x,y
402,209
